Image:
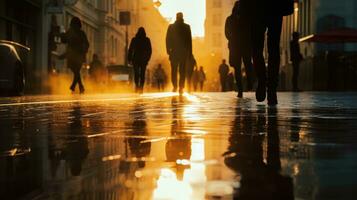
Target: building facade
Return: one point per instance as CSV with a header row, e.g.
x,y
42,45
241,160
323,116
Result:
x,y
31,22
314,17
216,13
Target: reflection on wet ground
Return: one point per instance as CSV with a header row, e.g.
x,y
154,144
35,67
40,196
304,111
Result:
x,y
162,146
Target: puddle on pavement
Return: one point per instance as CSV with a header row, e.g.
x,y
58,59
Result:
x,y
161,146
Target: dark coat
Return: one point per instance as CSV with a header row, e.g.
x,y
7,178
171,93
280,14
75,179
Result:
x,y
140,50
238,33
179,41
295,55
77,46
280,7
266,8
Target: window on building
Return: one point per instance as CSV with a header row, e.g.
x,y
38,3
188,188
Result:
x,y
217,3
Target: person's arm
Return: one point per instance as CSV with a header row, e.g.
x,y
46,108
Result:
x,y
169,40
149,49
131,50
86,42
291,51
227,29
189,39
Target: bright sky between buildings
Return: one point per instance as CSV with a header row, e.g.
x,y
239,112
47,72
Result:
x,y
194,13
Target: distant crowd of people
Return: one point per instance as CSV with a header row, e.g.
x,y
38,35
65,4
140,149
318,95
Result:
x,y
245,30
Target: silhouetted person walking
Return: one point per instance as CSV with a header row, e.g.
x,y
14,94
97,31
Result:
x,y
223,74
201,78
160,77
77,48
139,55
295,58
96,69
195,79
267,17
179,48
191,65
238,33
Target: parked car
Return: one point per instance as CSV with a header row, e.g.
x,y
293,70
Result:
x,y
12,67
120,74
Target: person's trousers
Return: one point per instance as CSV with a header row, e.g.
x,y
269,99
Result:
x,y
272,25
181,66
224,83
296,66
160,84
201,85
76,69
139,75
248,70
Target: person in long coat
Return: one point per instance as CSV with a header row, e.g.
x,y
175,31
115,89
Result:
x,y
77,48
139,55
267,18
179,49
237,30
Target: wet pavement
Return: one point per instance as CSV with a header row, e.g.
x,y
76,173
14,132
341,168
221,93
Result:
x,y
162,146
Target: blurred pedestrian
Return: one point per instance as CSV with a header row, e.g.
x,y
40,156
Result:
x,y
139,55
295,57
191,64
267,17
230,82
201,78
238,33
195,79
77,48
223,73
179,48
160,77
96,69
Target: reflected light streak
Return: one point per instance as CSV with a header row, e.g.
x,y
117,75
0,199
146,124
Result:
x,y
194,179
168,187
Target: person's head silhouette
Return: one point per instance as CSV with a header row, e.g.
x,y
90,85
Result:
x,y
179,16
236,8
76,23
224,61
141,32
296,35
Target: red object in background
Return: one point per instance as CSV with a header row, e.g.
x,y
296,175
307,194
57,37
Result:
x,y
338,35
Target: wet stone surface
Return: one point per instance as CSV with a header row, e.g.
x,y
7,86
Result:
x,y
162,146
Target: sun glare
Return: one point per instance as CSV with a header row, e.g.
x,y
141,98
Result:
x,y
194,13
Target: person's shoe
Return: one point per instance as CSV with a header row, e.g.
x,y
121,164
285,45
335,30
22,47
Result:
x,y
272,98
174,90
240,95
81,91
181,91
260,92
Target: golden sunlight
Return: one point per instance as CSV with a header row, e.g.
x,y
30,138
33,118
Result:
x,y
194,13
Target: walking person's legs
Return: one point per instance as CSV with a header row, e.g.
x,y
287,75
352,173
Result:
x,y
258,37
174,66
76,69
295,75
238,77
182,69
223,83
137,77
201,85
75,80
142,77
248,66
274,33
